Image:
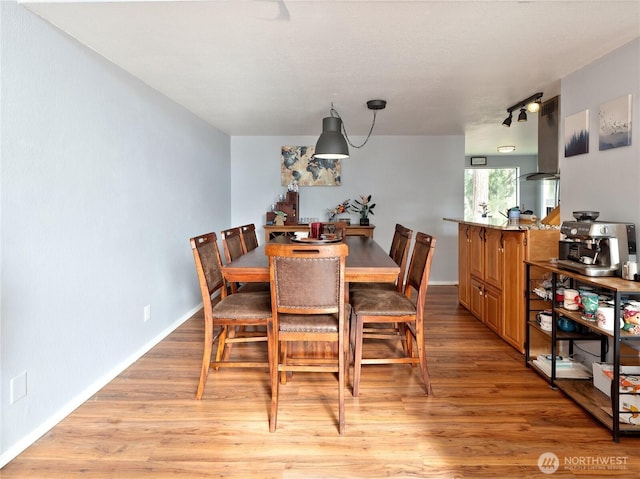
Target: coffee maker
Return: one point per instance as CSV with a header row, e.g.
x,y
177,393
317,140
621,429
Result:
x,y
596,248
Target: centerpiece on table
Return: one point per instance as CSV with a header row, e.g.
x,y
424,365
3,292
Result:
x,y
364,208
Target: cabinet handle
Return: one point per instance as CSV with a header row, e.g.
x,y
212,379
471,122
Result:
x,y
502,242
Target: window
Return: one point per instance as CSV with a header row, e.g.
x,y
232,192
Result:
x,y
490,191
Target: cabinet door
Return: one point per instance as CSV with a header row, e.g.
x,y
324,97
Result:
x,y
494,258
476,251
476,298
463,265
493,308
514,291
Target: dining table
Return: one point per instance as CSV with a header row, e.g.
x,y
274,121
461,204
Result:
x,y
367,262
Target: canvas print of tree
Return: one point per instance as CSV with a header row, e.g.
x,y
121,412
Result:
x,y
298,164
576,134
615,123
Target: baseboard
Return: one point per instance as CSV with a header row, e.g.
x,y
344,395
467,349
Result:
x,y
92,389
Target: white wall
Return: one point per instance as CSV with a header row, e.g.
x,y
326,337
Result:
x,y
103,181
606,181
414,180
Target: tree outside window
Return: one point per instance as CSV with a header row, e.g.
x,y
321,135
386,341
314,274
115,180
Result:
x,y
490,190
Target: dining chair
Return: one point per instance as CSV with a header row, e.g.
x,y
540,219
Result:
x,y
228,314
392,315
249,237
234,247
308,304
399,252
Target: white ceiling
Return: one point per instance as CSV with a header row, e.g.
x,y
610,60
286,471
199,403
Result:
x,y
273,67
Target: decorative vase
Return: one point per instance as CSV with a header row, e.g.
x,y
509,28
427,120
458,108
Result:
x,y
364,221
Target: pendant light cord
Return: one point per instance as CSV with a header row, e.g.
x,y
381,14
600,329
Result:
x,y
335,113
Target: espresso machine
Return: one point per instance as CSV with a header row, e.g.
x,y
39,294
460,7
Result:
x,y
596,248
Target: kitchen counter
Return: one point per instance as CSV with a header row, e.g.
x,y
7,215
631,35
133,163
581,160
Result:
x,y
503,224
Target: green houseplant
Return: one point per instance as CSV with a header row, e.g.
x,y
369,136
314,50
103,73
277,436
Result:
x,y
364,208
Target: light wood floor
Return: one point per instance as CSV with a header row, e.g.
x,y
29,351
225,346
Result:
x,y
489,416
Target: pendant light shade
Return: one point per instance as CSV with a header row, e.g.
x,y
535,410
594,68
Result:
x,y
331,144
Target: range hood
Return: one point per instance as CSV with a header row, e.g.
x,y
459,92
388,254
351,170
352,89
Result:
x,y
548,137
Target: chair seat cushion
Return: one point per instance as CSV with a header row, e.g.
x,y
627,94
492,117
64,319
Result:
x,y
244,306
379,302
311,323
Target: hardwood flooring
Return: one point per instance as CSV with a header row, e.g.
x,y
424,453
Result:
x,y
489,416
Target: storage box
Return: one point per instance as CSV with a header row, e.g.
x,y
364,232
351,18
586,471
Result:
x,y
629,383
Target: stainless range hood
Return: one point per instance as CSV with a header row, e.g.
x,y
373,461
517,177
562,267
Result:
x,y
548,138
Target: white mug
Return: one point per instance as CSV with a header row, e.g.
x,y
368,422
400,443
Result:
x,y
629,270
571,299
606,317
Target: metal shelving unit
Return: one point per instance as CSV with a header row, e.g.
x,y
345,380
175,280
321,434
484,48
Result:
x,y
605,409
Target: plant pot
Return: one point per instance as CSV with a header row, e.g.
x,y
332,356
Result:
x,y
364,221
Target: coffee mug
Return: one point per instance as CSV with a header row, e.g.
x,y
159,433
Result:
x,y
544,320
629,270
571,299
606,317
590,304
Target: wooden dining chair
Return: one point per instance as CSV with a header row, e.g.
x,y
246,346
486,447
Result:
x,y
392,315
249,237
234,247
399,252
308,303
225,317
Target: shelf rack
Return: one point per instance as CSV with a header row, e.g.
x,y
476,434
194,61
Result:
x,y
602,407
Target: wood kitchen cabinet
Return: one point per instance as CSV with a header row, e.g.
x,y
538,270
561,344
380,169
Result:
x,y
464,284
491,273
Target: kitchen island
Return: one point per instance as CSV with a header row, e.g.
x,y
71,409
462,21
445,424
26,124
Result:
x,y
491,270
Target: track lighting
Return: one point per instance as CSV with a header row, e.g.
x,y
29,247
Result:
x,y
532,104
332,145
523,115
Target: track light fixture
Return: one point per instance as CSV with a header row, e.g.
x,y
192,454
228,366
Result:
x,y
523,115
531,104
332,143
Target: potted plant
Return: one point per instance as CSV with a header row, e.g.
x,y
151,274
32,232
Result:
x,y
364,208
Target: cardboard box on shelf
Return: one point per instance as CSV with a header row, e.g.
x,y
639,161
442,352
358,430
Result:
x,y
629,389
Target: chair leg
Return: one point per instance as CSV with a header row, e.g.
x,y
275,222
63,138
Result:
x,y
283,360
273,413
357,355
222,339
422,355
206,357
342,377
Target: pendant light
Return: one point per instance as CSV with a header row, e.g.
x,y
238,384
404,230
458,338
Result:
x,y
333,142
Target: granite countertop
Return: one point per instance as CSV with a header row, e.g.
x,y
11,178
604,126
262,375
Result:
x,y
503,223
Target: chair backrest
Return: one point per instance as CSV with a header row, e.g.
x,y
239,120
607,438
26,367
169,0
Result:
x,y
208,267
307,279
419,268
399,251
232,244
339,228
249,237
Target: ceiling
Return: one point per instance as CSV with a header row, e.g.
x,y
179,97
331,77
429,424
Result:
x,y
273,67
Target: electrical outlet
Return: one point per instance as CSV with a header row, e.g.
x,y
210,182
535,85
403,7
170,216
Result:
x,y
18,387
147,313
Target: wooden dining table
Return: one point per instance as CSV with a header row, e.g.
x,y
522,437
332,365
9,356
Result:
x,y
367,262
